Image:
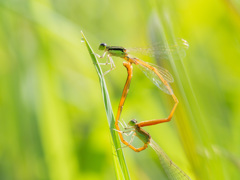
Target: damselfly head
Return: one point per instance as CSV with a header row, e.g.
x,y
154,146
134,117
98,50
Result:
x,y
102,46
133,122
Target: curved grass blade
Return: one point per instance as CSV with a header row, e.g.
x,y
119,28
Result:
x,y
119,160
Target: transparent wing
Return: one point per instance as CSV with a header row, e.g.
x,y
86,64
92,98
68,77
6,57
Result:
x,y
161,51
172,170
165,73
154,77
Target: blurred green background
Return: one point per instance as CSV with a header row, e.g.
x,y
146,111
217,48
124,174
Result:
x,y
52,119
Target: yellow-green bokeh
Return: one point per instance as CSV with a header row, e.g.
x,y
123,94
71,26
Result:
x,y
52,118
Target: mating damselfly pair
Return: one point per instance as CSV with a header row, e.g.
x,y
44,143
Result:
x,y
162,79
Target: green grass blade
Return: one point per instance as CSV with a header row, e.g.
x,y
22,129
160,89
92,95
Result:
x,y
119,160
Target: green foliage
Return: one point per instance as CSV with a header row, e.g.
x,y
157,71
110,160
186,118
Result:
x,y
53,121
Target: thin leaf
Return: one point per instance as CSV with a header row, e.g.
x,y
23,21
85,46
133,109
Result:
x,y
119,160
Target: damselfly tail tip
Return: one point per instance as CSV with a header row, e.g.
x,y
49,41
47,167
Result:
x,y
185,43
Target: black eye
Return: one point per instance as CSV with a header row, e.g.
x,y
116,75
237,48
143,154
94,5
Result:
x,y
134,121
102,46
